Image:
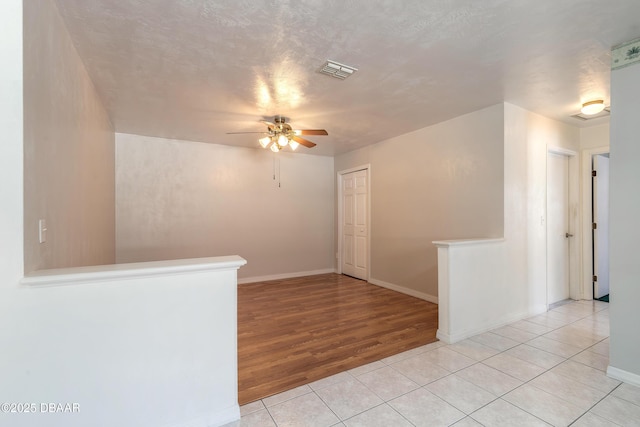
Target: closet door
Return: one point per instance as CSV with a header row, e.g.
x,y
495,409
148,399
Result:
x,y
355,238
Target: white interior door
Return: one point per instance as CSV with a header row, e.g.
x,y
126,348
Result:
x,y
558,235
601,231
355,227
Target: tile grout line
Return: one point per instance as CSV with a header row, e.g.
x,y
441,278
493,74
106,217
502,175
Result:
x,y
547,370
508,403
595,404
542,373
270,415
341,421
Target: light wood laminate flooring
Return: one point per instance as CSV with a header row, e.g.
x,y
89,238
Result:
x,y
295,331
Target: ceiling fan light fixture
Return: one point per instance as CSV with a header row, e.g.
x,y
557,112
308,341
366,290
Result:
x,y
592,107
279,134
264,142
283,140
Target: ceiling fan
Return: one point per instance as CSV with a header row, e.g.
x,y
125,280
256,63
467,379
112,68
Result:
x,y
279,134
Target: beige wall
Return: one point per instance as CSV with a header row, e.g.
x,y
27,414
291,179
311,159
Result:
x,y
68,151
181,199
440,182
594,137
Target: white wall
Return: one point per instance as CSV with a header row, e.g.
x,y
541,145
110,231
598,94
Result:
x,y
508,275
14,346
441,182
528,136
474,293
152,346
11,209
624,268
181,199
520,295
68,150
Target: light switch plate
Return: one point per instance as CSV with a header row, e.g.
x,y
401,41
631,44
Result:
x,y
42,230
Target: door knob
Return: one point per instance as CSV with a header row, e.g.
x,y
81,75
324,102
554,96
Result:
x,y
567,235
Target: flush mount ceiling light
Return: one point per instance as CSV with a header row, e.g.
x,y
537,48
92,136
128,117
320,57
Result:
x,y
592,107
337,70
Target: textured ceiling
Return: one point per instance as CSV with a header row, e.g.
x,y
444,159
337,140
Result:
x,y
196,69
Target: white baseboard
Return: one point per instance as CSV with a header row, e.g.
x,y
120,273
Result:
x,y
468,333
284,276
404,290
445,338
226,416
624,376
534,311
218,419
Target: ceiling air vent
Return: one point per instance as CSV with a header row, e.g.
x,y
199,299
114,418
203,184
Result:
x,y
584,117
337,70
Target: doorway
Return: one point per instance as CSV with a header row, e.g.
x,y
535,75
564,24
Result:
x,y
557,228
600,226
353,222
586,234
561,219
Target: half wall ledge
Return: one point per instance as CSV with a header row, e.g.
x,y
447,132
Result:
x,y
466,242
101,273
470,287
164,330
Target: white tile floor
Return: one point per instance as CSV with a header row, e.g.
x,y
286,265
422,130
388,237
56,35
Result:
x,y
546,370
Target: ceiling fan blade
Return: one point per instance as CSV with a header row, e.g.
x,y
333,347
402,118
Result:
x,y
236,133
304,142
269,124
311,132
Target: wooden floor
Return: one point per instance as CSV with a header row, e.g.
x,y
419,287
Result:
x,y
295,331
